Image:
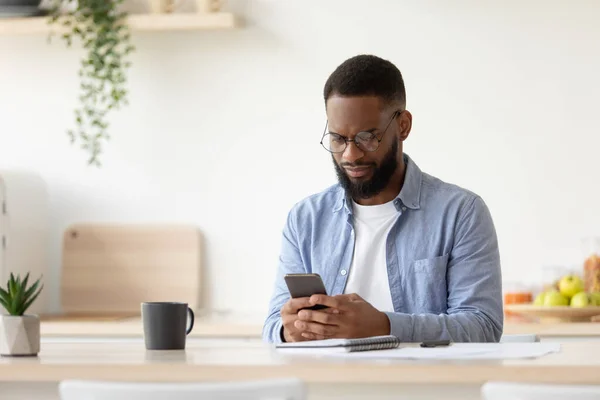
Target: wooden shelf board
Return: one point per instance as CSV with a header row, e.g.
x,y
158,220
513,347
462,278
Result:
x,y
137,22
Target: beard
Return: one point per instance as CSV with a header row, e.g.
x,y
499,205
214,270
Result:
x,y
379,180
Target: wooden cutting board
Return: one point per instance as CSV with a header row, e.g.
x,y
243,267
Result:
x,y
109,270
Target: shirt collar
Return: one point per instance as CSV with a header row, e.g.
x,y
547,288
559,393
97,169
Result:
x,y
409,196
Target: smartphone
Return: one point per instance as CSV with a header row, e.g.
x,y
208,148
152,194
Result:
x,y
305,285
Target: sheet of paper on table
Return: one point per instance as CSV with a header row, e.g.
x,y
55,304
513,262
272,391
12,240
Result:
x,y
456,351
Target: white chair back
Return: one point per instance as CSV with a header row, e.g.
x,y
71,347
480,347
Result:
x,y
277,389
530,391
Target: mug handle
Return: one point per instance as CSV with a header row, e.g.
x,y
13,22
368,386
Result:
x,y
191,314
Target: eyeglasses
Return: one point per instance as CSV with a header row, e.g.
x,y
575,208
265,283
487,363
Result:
x,y
366,141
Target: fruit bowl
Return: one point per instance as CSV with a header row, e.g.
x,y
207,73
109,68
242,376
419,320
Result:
x,y
554,313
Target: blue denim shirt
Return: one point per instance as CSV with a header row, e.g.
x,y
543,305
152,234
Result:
x,y
442,256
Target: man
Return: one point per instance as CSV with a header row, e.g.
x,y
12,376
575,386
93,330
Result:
x,y
400,252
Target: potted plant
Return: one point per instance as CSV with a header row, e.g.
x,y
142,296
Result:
x,y
102,27
19,332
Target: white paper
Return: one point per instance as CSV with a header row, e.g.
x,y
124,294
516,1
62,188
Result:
x,y
456,351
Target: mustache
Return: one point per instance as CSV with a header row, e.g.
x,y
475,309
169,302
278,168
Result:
x,y
357,165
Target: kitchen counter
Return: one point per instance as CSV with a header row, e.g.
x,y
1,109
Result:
x,y
558,329
244,326
206,360
204,326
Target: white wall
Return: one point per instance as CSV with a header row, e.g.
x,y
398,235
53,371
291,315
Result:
x,y
223,127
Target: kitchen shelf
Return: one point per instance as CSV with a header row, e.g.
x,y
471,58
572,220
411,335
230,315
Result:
x,y
137,22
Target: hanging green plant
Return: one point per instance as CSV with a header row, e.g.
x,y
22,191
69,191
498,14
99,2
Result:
x,y
104,33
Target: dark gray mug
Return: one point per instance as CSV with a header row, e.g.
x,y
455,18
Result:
x,y
165,325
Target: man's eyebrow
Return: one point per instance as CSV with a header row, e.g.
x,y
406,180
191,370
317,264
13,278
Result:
x,y
372,130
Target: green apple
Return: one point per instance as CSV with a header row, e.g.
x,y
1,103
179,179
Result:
x,y
539,299
595,298
570,285
581,299
555,298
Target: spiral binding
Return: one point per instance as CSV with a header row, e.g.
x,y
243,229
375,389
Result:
x,y
378,343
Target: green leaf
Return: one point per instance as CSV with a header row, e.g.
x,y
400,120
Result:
x,y
4,295
28,303
5,304
12,285
30,291
18,297
24,284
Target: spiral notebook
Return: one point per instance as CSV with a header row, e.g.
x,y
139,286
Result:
x,y
346,345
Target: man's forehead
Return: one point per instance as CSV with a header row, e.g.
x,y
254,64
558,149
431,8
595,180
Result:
x,y
338,103
348,115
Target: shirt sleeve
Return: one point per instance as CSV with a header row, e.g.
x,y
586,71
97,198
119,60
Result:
x,y
475,312
290,261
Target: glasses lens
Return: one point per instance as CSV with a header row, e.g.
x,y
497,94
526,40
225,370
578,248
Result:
x,y
367,141
334,143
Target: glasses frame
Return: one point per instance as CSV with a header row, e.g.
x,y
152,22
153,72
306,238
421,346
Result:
x,y
346,140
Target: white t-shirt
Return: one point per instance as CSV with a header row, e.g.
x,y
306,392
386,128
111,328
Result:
x,y
368,275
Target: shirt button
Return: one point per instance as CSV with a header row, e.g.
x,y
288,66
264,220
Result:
x,y
343,272
403,208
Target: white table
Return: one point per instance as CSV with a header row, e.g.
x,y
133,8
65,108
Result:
x,y
241,359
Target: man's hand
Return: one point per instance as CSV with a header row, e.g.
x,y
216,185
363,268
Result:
x,y
348,316
289,315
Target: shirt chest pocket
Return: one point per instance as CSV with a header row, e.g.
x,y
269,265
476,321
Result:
x,y
424,282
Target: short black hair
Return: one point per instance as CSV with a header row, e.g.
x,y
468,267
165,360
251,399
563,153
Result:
x,y
367,75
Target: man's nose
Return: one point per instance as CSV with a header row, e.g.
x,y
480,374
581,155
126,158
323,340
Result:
x,y
352,153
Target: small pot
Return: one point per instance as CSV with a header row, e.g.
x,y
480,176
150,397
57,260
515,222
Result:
x,y
19,335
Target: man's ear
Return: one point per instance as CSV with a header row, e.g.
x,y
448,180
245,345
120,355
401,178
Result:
x,y
404,122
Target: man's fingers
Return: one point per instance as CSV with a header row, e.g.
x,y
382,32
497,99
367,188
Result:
x,y
293,305
315,327
312,336
301,302
333,302
321,317
354,297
